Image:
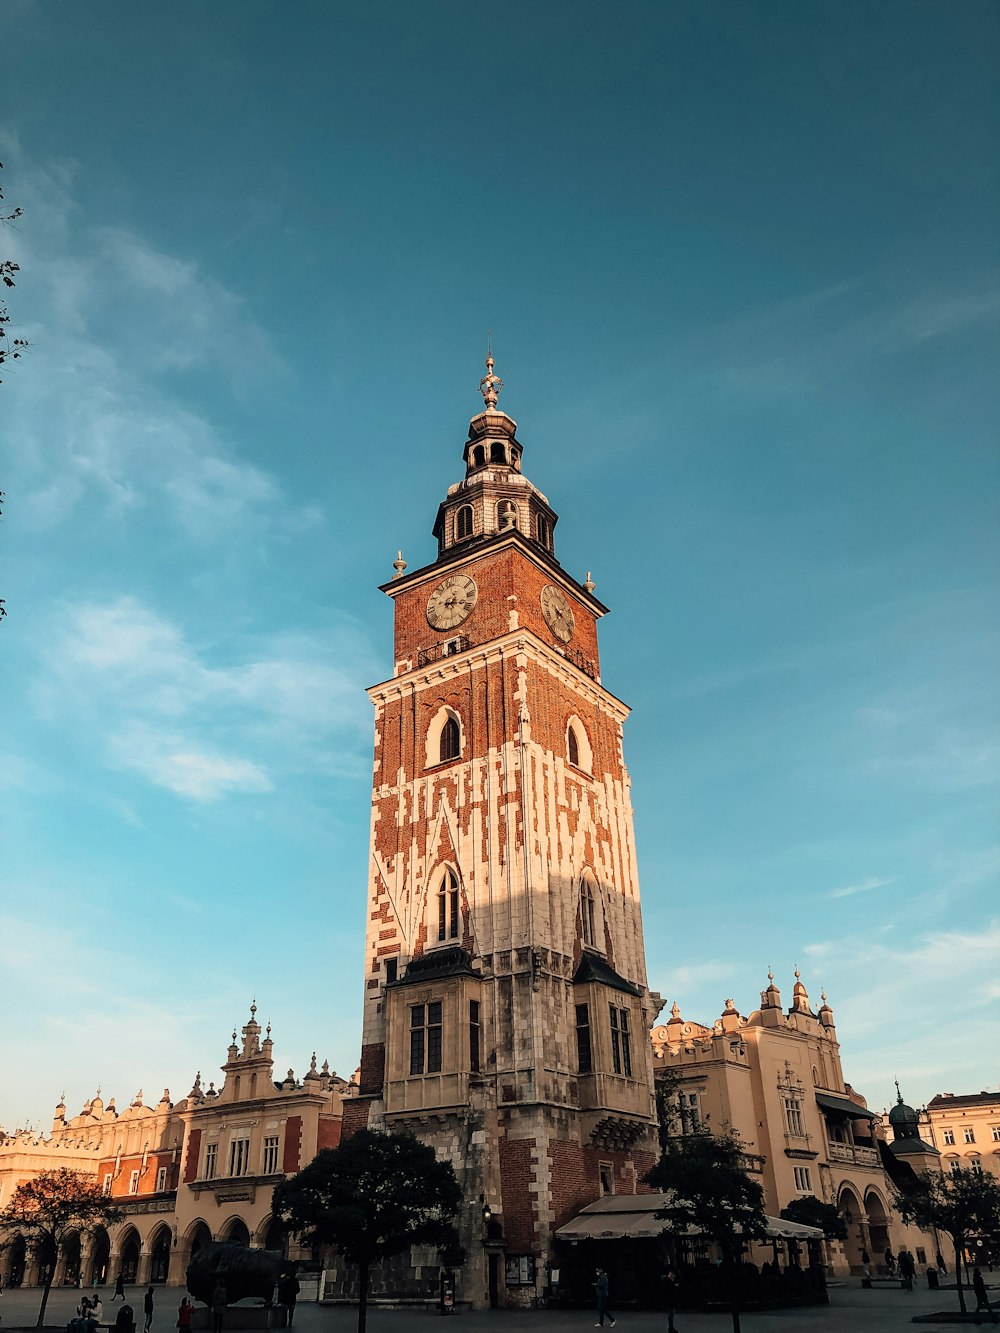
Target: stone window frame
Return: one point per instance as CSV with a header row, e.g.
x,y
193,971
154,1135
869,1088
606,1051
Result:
x,y
969,1133
577,732
270,1155
446,924
949,1137
211,1161
161,1179
802,1178
592,911
435,732
133,1182
427,1022
465,522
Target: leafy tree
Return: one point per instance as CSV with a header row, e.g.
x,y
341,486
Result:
x,y
47,1210
712,1195
373,1197
10,348
963,1204
813,1212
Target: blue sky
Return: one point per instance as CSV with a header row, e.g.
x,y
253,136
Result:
x,y
741,263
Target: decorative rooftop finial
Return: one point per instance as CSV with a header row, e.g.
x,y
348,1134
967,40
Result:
x,y
268,1028
589,583
253,1008
899,1095
770,973
399,564
490,385
797,975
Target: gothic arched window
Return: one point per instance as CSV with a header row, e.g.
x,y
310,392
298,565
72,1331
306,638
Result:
x,y
448,908
463,522
578,750
588,912
451,740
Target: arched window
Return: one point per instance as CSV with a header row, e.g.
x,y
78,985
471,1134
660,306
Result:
x,y
542,529
578,750
463,522
448,908
451,741
498,453
479,456
587,912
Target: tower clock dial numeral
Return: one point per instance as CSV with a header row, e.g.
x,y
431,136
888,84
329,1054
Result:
x,y
451,601
558,613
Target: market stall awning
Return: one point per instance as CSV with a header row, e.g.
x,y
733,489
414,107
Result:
x,y
633,1217
845,1106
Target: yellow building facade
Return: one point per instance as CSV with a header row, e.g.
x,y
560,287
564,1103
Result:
x,y
184,1173
775,1077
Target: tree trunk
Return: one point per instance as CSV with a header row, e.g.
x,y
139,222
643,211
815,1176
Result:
x,y
50,1274
958,1275
362,1295
734,1287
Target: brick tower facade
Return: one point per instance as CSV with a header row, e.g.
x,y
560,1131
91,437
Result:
x,y
506,1006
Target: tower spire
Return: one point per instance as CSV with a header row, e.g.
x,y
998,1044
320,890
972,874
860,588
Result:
x,y
490,385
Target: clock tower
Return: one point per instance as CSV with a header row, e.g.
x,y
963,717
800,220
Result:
x,y
506,1008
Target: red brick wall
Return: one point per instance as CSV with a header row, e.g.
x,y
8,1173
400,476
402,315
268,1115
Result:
x,y
372,1067
193,1153
516,1174
576,1179
291,1158
499,576
356,1114
328,1132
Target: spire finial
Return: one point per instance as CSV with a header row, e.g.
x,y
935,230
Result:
x,y
899,1095
589,583
253,1008
490,385
798,976
399,564
770,973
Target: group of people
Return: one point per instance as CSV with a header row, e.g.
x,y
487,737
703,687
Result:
x,y
90,1311
670,1291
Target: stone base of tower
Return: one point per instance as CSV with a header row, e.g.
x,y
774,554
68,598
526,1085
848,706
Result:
x,y
524,1171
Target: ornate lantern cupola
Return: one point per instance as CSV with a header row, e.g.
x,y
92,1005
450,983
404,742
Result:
x,y
495,498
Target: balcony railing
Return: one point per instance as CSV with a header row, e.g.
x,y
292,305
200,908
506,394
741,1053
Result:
x,y
584,663
447,648
850,1152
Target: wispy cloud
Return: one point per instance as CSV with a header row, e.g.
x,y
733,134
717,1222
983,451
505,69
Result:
x,y
196,725
117,321
863,886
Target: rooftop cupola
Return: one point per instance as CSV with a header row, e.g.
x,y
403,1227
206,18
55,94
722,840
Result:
x,y
904,1120
800,996
494,498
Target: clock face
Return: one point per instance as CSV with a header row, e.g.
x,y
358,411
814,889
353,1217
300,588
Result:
x,y
558,613
451,601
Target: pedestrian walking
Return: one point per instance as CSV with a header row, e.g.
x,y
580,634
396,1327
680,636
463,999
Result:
x,y
147,1310
907,1268
890,1261
219,1303
602,1300
670,1290
184,1312
119,1287
979,1287
288,1289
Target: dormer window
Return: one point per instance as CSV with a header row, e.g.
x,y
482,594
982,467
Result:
x,y
463,523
